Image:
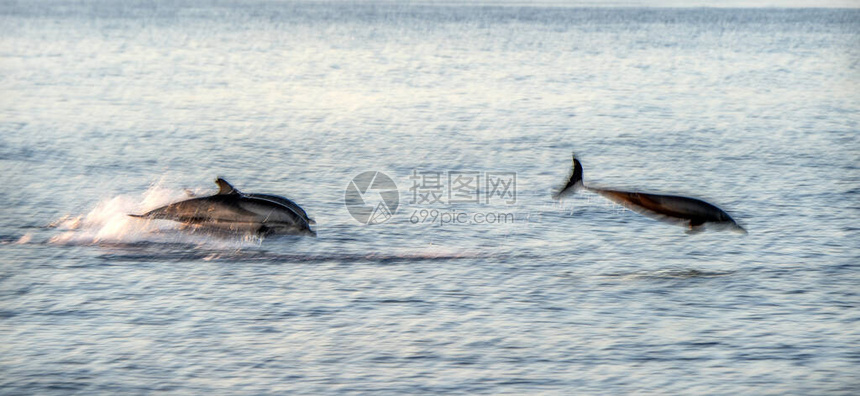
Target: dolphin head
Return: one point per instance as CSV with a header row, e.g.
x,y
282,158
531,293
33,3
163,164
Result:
x,y
727,222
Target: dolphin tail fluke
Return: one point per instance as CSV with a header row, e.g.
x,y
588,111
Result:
x,y
575,181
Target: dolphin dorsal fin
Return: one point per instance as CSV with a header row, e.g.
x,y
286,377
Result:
x,y
225,188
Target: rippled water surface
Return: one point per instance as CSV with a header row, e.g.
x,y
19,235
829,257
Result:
x,y
110,108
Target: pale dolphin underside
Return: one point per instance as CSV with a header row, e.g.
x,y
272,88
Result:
x,y
684,211
232,210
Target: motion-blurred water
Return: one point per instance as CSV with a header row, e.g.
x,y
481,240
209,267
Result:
x,y
111,108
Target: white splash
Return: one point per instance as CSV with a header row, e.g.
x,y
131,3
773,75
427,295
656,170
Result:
x,y
25,239
109,222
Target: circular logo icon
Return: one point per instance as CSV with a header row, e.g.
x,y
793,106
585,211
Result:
x,y
371,197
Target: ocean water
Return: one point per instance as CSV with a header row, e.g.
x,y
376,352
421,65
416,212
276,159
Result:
x,y
109,108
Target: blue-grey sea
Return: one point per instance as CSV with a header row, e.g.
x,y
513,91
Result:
x,y
475,281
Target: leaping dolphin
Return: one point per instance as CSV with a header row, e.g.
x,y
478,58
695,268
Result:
x,y
684,211
232,210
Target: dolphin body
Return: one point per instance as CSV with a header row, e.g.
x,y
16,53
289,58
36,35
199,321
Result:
x,y
232,210
684,211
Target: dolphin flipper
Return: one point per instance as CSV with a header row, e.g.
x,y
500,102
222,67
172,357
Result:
x,y
695,230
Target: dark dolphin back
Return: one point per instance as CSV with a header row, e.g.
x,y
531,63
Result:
x,y
225,188
285,202
669,208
